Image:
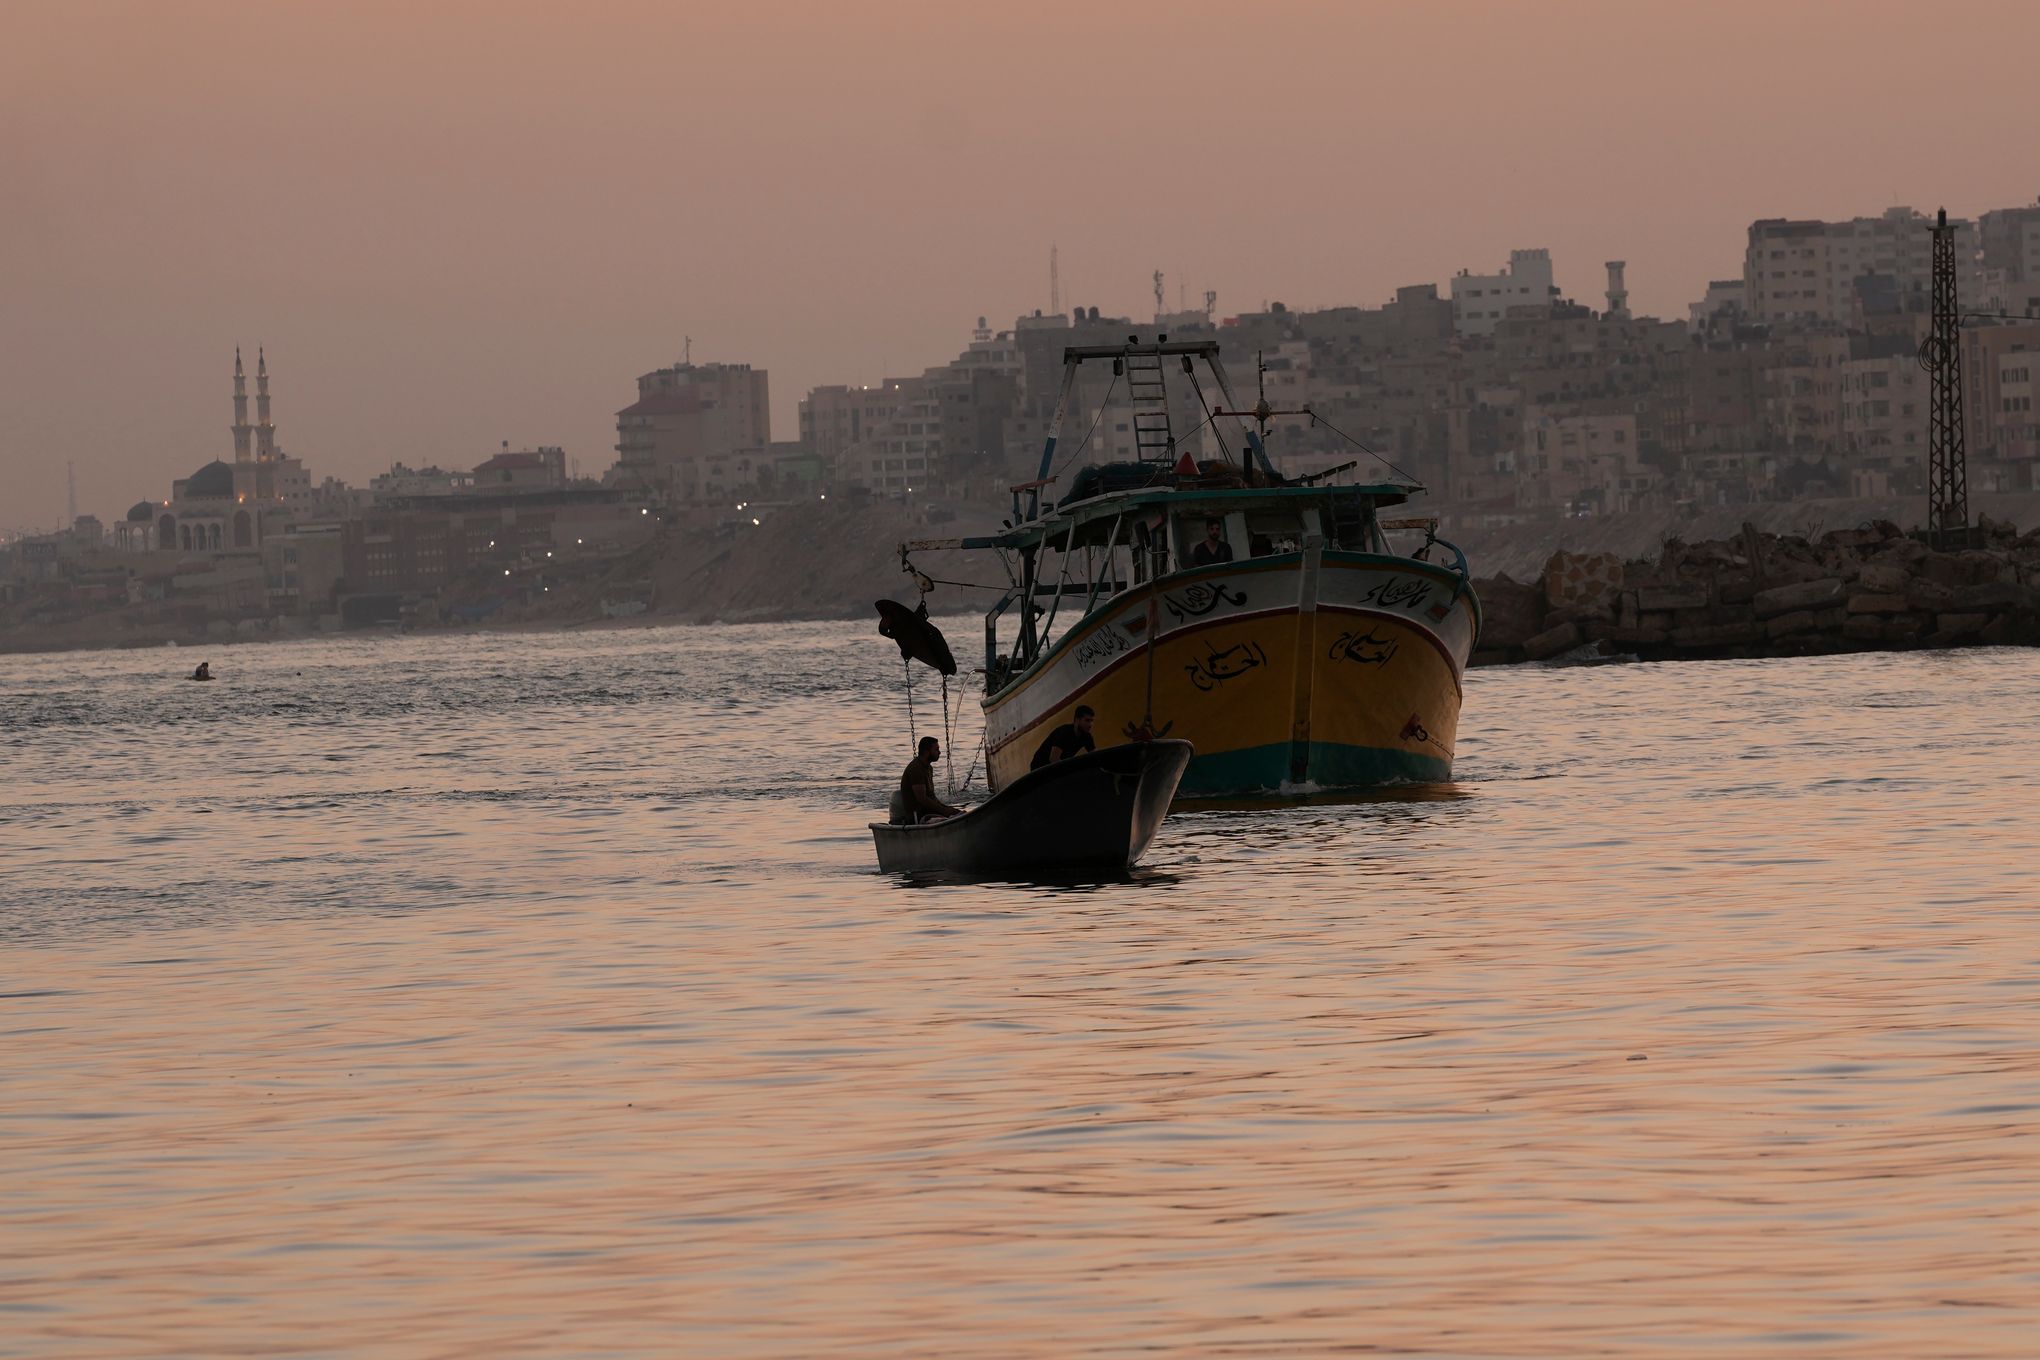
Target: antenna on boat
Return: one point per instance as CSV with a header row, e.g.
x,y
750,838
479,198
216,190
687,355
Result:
x,y
1261,410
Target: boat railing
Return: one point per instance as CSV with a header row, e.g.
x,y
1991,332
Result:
x,y
1429,524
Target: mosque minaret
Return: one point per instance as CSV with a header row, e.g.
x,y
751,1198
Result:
x,y
265,432
242,429
228,507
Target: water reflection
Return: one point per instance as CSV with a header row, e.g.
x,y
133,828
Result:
x,y
537,995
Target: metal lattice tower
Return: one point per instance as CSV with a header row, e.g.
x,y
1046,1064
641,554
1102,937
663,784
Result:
x,y
1941,355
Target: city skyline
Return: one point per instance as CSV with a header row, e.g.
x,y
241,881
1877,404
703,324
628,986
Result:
x,y
535,220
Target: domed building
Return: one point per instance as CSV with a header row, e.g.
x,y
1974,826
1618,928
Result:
x,y
226,507
136,531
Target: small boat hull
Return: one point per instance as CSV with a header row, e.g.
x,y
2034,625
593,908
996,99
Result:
x,y
1094,813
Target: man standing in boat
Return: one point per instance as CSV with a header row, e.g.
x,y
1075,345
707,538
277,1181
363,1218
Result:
x,y
1214,549
1072,737
915,800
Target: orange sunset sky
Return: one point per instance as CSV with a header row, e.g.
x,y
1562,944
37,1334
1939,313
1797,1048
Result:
x,y
458,223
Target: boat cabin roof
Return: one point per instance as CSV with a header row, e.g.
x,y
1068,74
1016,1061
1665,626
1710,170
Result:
x,y
1093,520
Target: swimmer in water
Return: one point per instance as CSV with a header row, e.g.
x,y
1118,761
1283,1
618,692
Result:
x,y
204,671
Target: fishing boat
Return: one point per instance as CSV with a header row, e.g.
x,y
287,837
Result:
x,y
1294,645
1093,813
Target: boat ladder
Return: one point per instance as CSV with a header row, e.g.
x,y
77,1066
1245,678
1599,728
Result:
x,y
1149,397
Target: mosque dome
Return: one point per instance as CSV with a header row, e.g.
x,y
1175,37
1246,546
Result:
x,y
140,512
214,481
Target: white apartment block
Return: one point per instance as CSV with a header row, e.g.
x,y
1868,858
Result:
x,y
1480,301
1807,270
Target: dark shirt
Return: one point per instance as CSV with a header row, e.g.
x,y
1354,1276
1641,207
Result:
x,y
1205,553
1068,738
920,772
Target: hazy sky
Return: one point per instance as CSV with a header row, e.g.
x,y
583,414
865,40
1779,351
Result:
x,y
458,223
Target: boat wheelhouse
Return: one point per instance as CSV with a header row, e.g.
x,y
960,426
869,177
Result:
x,y
1299,651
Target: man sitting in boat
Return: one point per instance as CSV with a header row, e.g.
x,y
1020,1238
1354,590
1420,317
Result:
x,y
915,800
1067,740
1214,548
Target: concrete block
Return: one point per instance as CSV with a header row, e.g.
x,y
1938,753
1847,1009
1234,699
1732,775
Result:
x,y
1552,641
1991,598
1737,588
1654,598
1947,569
1817,594
1929,596
1718,635
1901,553
1876,604
1961,625
1863,628
1785,625
1636,637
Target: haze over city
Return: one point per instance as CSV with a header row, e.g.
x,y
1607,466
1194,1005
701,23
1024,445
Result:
x,y
457,224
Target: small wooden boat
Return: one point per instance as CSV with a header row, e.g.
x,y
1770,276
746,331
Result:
x,y
1093,813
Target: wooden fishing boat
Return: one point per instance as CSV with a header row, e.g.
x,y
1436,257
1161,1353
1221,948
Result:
x,y
1092,813
1299,649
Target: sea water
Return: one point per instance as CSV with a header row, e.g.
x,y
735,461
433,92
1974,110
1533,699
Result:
x,y
522,995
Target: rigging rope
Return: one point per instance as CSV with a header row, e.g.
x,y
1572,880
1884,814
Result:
x,y
948,739
913,733
1360,446
1102,404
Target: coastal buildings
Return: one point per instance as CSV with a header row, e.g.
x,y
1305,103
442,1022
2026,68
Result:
x,y
1797,271
685,416
1480,301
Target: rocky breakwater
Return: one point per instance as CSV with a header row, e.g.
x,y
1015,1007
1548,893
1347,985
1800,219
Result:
x,y
1869,589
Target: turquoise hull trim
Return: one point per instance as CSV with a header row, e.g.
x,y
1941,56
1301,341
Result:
x,y
1265,769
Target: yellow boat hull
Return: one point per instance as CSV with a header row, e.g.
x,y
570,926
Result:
x,y
1289,674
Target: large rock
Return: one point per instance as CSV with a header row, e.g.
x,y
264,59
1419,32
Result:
x,y
1961,625
1880,578
1581,578
1877,604
1818,594
1785,625
1983,567
1510,612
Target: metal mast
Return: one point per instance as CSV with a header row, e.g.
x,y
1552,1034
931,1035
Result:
x,y
1941,356
1054,283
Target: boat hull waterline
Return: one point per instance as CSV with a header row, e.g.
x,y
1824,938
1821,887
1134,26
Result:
x,y
1093,813
1304,671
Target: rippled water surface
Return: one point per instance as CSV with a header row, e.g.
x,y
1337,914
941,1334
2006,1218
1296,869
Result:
x,y
519,996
